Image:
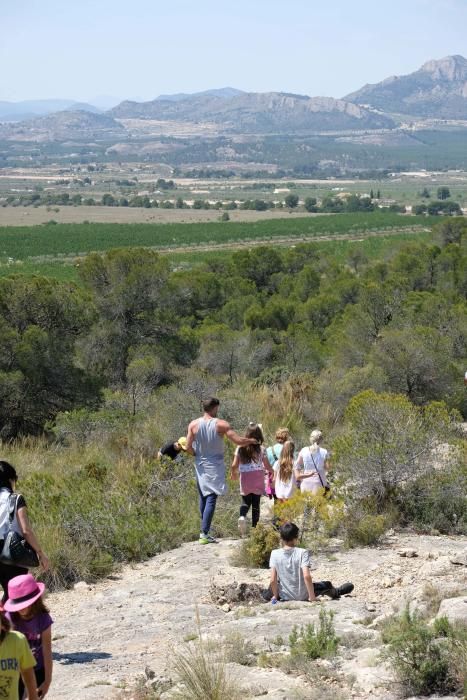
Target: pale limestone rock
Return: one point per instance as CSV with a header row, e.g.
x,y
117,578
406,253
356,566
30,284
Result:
x,y
407,552
440,567
455,609
460,558
82,586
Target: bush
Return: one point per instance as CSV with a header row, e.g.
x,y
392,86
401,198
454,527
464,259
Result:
x,y
437,501
317,517
202,670
315,643
239,650
364,530
90,517
256,550
386,438
426,659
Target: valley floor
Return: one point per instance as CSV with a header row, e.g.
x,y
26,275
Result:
x,y
31,216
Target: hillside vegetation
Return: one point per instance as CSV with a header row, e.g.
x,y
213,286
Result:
x,y
93,379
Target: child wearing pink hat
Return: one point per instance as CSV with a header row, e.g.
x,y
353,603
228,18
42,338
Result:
x,y
16,661
28,615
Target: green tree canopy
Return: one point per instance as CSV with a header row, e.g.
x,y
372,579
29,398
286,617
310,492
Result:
x,y
388,441
40,322
137,306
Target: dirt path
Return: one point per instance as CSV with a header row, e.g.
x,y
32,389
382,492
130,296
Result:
x,y
105,635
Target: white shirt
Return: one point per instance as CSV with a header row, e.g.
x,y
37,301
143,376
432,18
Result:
x,y
284,489
289,562
313,462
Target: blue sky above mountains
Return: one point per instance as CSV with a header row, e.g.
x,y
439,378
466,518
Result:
x,y
147,47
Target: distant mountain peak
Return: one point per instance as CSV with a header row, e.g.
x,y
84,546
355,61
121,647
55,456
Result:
x,y
224,93
448,68
436,90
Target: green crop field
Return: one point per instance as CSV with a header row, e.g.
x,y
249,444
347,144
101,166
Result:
x,y
23,243
52,250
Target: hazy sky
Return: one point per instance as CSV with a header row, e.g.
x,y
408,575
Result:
x,y
141,48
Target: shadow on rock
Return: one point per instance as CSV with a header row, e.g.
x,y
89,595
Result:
x,y
80,657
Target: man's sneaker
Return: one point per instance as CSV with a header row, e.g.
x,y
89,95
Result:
x,y
242,526
207,539
345,589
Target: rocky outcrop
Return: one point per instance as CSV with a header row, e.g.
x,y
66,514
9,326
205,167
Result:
x,y
130,626
455,609
437,90
258,112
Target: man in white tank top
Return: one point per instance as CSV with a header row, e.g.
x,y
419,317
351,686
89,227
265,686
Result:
x,y
205,440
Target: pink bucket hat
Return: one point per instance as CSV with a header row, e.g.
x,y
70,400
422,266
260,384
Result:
x,y
22,592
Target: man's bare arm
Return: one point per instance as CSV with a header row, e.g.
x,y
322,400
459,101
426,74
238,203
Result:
x,y
309,583
190,438
224,428
274,584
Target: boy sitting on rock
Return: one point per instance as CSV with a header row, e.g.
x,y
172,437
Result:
x,y
290,572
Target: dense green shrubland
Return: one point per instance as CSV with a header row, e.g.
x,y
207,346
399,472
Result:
x,y
373,352
264,315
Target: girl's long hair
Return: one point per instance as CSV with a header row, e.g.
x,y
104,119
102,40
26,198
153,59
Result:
x,y
37,608
5,626
286,461
251,452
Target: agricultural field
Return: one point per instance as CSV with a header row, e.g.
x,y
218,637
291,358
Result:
x,y
84,187
32,216
55,249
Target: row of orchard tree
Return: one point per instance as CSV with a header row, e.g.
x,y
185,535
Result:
x,y
265,316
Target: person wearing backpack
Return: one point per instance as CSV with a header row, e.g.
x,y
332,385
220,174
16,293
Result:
x,y
312,464
273,454
14,516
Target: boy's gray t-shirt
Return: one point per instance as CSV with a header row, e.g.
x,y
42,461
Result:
x,y
288,563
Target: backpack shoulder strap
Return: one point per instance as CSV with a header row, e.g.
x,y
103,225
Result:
x,y
12,504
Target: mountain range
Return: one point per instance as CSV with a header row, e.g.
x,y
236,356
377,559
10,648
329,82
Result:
x,y
67,125
438,90
28,109
257,112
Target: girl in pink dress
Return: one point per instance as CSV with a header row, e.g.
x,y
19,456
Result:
x,y
250,463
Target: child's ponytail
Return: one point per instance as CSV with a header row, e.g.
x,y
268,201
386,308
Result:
x,y
286,461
